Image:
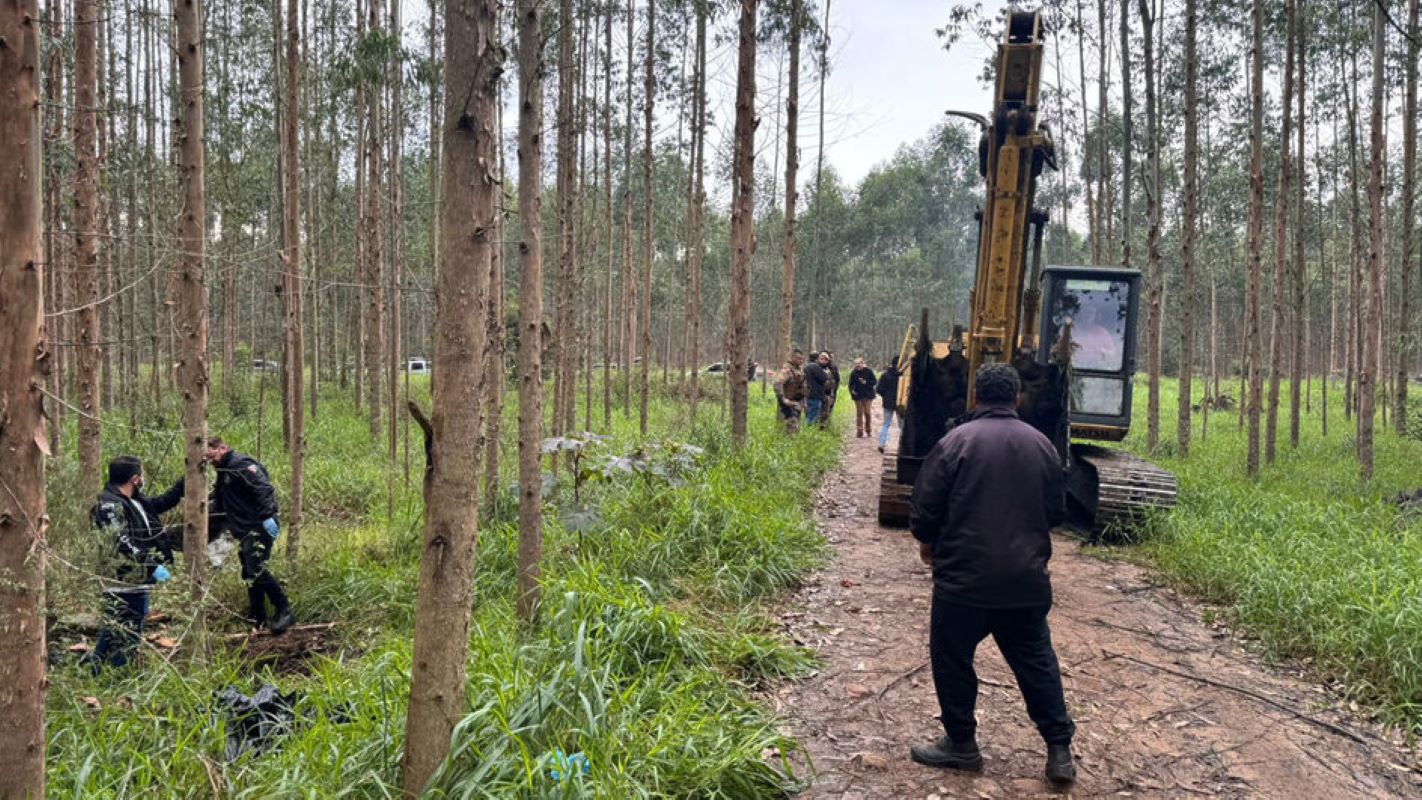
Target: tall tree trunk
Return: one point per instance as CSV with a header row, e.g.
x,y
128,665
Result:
x,y
1281,242
1156,281
191,297
562,343
1255,236
697,237
1408,331
1190,225
649,88
396,174
362,236
495,369
374,253
1101,249
23,359
1298,366
742,222
1127,133
1372,318
1356,301
792,164
86,230
610,12
530,340
818,230
472,61
1092,232
629,284
292,279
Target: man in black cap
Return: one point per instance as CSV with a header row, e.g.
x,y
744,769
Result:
x,y
141,548
984,505
244,502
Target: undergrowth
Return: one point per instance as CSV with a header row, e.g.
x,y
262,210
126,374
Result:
x,y
1309,561
652,635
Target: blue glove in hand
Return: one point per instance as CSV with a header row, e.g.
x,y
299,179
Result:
x,y
270,526
161,574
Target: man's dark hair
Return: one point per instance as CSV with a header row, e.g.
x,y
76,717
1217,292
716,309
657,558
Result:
x,y
123,468
215,441
797,352
996,384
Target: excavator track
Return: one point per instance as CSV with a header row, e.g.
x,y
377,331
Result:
x,y
893,496
1127,488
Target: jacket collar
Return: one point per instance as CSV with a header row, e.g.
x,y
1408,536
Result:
x,y
993,410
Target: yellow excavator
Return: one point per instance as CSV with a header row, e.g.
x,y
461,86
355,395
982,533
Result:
x,y
1069,331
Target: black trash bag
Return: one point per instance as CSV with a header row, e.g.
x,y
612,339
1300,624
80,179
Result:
x,y
256,723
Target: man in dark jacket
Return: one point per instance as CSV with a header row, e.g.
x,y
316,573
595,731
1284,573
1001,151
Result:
x,y
888,391
861,391
141,547
817,379
244,502
831,387
984,505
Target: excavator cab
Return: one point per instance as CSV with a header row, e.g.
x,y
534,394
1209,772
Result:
x,y
1100,304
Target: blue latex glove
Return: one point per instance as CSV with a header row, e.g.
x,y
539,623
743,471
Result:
x,y
161,574
270,526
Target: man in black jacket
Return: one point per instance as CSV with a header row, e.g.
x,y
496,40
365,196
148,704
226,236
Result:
x,y
141,547
984,505
888,391
861,391
244,502
817,378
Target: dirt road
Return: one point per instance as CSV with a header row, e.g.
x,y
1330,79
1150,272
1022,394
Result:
x,y
1165,705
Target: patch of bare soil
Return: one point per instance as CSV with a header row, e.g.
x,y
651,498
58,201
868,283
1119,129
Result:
x,y
291,651
1165,705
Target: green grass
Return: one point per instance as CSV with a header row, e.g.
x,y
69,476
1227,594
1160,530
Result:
x,y
1308,560
653,633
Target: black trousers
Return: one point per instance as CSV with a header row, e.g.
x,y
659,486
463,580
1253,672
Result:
x,y
254,551
124,612
1026,644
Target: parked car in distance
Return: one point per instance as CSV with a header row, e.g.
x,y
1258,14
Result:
x,y
418,365
263,365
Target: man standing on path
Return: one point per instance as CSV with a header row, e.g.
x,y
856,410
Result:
x,y
790,391
888,390
244,502
817,379
831,387
861,390
984,505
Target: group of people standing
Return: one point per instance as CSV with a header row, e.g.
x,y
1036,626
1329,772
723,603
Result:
x,y
243,502
809,389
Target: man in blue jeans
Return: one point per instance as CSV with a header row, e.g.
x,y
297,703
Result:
x,y
984,505
888,391
140,549
817,382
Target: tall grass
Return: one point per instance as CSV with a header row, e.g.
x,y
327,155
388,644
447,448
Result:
x,y
1309,560
652,634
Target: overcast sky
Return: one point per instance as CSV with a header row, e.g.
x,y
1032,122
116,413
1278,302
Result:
x,y
891,80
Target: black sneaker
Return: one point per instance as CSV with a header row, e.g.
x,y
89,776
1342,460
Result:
x,y
1061,769
948,754
284,620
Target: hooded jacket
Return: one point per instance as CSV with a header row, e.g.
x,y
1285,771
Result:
x,y
986,499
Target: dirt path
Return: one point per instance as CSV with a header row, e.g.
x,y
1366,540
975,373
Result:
x,y
1165,705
